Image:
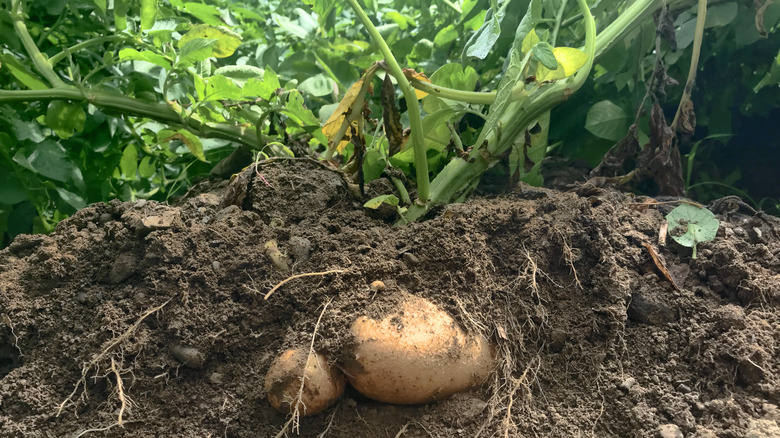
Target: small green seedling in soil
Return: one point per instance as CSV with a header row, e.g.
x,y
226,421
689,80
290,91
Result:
x,y
689,225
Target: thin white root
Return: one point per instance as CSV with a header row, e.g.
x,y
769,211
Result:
x,y
121,390
308,274
298,402
95,362
568,254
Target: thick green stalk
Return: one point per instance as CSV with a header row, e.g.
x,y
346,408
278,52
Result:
x,y
41,63
459,176
415,120
636,13
128,105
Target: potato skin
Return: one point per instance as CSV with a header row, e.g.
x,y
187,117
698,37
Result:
x,y
323,384
416,355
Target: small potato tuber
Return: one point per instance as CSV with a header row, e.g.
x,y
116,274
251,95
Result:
x,y
322,384
415,355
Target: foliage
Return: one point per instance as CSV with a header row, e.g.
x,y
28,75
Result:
x,y
140,98
689,225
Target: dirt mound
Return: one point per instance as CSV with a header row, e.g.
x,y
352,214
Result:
x,y
594,341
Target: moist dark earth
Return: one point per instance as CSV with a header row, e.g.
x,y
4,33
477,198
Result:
x,y
148,320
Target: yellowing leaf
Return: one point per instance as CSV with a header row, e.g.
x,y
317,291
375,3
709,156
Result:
x,y
347,113
227,41
569,61
191,140
529,41
411,74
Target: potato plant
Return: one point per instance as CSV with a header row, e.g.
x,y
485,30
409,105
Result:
x,y
139,99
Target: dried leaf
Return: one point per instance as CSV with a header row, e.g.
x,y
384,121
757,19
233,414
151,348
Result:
x,y
392,118
660,265
337,128
411,74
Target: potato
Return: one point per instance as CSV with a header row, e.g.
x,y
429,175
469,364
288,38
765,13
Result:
x,y
416,355
322,386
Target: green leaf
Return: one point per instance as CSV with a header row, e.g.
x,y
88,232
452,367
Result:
x,y
257,88
375,203
148,13
607,120
75,201
289,27
21,72
189,139
65,118
480,43
226,42
446,36
772,77
163,29
319,85
321,7
101,4
451,76
128,164
27,130
11,188
544,53
721,14
120,14
48,159
689,225
219,88
194,51
205,13
271,79
297,111
512,75
401,20
147,168
128,54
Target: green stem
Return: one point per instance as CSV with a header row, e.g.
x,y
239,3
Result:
x,y
128,105
84,44
635,13
460,176
558,18
39,60
399,185
413,108
625,23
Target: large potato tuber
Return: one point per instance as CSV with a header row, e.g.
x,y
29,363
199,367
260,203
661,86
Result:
x,y
322,384
415,355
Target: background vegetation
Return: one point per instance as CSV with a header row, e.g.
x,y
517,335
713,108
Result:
x,y
140,99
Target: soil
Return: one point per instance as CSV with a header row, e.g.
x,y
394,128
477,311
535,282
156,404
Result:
x,y
154,316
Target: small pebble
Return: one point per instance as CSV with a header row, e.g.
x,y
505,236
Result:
x,y
410,259
215,265
627,384
216,378
669,431
105,217
377,286
683,388
190,357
